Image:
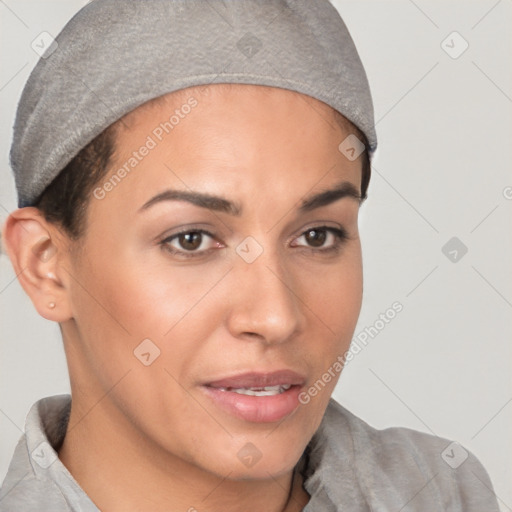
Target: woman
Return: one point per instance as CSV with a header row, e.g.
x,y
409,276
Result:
x,y
190,219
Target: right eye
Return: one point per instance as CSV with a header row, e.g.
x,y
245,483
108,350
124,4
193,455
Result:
x,y
190,243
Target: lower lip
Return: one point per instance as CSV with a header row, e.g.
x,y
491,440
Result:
x,y
257,409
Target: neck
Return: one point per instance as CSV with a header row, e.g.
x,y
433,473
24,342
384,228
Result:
x,y
127,472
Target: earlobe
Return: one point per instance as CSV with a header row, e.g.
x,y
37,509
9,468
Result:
x,y
35,253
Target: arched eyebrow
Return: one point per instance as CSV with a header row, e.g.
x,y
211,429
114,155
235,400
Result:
x,y
221,204
201,199
340,191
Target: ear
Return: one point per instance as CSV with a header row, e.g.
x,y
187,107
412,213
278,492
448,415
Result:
x,y
37,250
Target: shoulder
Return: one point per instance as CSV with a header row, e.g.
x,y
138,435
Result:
x,y
36,479
23,489
407,466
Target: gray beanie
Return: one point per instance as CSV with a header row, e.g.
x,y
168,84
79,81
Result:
x,y
115,55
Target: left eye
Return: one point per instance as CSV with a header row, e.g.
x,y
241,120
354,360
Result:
x,y
317,237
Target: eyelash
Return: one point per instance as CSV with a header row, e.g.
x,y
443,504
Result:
x,y
340,234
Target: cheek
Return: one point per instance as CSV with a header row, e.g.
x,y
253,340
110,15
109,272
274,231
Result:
x,y
334,294
334,302
148,295
345,300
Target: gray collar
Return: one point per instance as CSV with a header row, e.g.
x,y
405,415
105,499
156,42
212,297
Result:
x,y
347,466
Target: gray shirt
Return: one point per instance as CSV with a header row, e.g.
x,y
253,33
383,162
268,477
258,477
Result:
x,y
347,466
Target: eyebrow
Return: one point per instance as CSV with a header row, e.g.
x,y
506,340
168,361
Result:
x,y
221,204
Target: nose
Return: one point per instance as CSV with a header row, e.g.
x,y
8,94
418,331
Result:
x,y
264,301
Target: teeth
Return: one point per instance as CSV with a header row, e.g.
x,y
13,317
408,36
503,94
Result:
x,y
262,391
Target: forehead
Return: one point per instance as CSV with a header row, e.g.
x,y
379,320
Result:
x,y
232,135
234,126
262,148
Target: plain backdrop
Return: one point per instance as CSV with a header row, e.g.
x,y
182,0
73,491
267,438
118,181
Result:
x,y
443,365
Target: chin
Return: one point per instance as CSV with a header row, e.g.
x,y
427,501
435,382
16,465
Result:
x,y
263,470
260,457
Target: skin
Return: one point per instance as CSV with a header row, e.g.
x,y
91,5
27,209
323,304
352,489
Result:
x,y
147,437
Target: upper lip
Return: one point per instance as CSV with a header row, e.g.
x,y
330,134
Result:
x,y
259,380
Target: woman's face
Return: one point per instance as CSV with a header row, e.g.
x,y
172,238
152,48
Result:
x,y
200,344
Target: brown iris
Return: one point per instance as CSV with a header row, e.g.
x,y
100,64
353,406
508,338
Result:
x,y
191,240
315,237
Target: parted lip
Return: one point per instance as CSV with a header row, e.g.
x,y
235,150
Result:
x,y
259,380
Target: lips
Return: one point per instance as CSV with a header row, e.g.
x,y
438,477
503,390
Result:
x,y
257,397
258,391
260,380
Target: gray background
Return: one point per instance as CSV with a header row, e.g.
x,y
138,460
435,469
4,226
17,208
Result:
x,y
443,365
